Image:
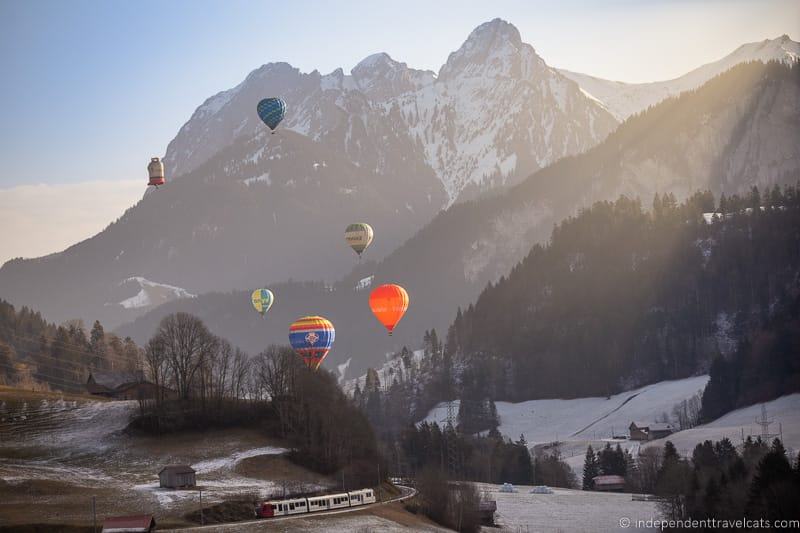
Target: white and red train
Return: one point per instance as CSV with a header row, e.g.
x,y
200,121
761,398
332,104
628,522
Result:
x,y
328,502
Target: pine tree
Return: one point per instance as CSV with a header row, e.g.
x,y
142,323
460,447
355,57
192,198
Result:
x,y
97,339
591,469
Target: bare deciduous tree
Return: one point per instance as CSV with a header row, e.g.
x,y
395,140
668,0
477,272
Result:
x,y
187,344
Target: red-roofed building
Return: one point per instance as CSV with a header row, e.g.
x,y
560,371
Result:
x,y
609,483
144,523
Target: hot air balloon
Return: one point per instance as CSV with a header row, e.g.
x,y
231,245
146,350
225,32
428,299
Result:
x,y
271,112
262,300
156,171
312,338
358,236
389,303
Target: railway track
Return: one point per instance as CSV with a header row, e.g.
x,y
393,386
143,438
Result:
x,y
406,493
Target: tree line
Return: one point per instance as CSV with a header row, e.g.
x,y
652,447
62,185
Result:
x,y
720,481
37,354
205,382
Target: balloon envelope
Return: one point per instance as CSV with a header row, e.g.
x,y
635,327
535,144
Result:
x,y
262,300
389,303
271,111
358,236
312,337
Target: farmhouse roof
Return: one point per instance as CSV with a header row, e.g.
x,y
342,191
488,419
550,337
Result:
x,y
119,524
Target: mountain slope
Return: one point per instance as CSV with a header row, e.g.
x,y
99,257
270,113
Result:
x,y
679,146
386,144
626,99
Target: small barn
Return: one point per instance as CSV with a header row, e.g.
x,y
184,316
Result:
x,y
105,382
129,524
177,477
638,431
609,483
126,385
650,431
660,430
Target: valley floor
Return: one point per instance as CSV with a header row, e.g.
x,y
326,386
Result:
x,y
56,453
566,510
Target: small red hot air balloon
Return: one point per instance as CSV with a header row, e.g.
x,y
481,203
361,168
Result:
x,y
389,303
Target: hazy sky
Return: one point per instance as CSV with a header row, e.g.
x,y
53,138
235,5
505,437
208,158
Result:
x,y
90,90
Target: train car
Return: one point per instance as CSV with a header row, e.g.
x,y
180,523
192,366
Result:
x,y
282,507
337,501
361,497
318,503
315,503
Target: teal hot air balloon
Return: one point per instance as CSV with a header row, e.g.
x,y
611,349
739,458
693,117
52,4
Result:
x,y
271,111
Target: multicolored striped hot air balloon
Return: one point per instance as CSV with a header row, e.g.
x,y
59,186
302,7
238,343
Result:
x,y
312,337
389,303
271,111
262,300
359,236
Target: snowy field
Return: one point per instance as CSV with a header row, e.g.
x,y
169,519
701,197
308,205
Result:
x,y
584,419
577,423
785,413
566,511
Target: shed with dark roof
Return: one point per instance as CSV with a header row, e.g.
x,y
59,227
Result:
x,y
177,477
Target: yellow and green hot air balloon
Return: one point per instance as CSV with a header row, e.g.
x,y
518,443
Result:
x,y
359,236
262,300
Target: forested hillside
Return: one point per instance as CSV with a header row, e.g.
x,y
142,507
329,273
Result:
x,y
765,367
621,296
35,353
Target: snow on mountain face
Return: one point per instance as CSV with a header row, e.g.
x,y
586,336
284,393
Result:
x,y
625,99
495,112
152,294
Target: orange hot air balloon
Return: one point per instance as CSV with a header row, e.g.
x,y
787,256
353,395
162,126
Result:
x,y
389,304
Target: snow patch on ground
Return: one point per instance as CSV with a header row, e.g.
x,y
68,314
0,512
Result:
x,y
230,461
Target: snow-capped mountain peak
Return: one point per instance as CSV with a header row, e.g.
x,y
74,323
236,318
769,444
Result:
x,y
380,76
494,49
394,119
